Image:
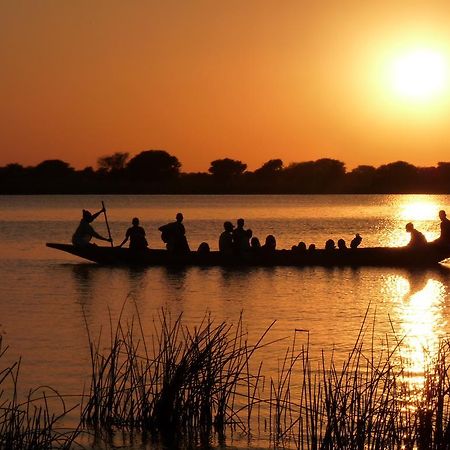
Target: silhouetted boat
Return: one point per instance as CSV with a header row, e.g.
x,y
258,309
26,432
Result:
x,y
429,255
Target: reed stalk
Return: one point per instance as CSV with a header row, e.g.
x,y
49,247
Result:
x,y
195,386
29,424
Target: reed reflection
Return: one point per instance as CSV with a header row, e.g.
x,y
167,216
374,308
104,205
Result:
x,y
419,301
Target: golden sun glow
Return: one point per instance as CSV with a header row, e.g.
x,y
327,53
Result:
x,y
419,302
419,210
422,210
420,74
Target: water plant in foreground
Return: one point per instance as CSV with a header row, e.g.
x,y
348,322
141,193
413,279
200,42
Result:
x,y
182,385
200,386
30,424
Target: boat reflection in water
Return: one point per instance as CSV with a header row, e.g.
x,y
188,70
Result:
x,y
418,320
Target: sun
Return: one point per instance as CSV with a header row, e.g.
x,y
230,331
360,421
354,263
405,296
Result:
x,y
420,74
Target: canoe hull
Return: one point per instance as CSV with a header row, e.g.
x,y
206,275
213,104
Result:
x,y
371,256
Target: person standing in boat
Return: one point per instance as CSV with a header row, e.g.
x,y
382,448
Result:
x,y
174,235
84,233
136,235
444,238
240,238
226,239
417,238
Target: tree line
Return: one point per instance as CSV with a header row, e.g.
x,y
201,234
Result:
x,y
158,172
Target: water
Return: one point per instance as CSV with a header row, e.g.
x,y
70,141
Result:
x,y
47,298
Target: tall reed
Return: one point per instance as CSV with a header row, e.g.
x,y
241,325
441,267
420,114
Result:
x,y
29,424
185,384
194,385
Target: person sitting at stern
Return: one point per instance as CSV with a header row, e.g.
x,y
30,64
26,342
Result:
x,y
444,238
417,238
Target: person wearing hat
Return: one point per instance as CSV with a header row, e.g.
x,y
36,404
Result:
x,y
84,233
226,239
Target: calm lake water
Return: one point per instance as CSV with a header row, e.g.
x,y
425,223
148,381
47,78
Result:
x,y
46,296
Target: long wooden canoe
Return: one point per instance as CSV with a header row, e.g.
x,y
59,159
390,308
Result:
x,y
429,255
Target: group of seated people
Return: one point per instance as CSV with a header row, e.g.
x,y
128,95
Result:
x,y
238,241
233,240
419,240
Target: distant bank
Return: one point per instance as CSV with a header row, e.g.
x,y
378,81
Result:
x,y
158,172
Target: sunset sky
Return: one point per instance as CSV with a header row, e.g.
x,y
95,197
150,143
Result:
x,y
366,82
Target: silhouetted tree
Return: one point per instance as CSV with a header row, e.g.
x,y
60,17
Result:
x,y
113,163
11,171
443,176
156,171
50,177
321,176
13,179
270,167
53,168
397,177
329,171
226,169
153,165
361,179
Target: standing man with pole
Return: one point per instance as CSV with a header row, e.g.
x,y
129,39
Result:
x,y
107,224
85,232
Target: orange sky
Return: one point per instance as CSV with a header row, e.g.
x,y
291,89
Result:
x,y
251,80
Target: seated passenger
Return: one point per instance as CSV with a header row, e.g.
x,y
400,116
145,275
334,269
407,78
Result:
x,y
356,241
270,244
174,235
301,247
444,238
203,248
341,244
136,235
84,232
330,245
255,245
417,238
312,247
226,239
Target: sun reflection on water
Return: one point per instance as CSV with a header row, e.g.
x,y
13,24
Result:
x,y
419,209
420,302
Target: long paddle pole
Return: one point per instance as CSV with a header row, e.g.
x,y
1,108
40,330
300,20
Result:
x,y
107,224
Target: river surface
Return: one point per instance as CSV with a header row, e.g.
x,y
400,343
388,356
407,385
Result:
x,y
47,298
